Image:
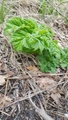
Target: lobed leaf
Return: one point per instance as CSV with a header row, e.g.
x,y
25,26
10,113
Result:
x,y
28,36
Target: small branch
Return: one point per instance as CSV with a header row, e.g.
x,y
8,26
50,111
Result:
x,y
4,113
24,98
40,111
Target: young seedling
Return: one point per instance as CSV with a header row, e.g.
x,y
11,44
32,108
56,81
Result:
x,y
28,36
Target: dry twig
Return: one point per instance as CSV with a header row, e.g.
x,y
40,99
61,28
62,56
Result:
x,y
40,111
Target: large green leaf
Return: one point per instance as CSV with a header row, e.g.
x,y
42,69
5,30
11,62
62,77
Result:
x,y
29,35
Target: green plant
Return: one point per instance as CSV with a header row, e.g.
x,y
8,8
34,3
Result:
x,y
3,11
47,62
64,58
45,8
28,36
